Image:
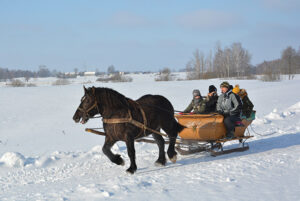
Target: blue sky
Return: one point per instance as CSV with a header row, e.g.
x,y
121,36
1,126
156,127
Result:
x,y
140,35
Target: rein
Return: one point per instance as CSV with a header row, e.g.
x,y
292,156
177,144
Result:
x,y
86,112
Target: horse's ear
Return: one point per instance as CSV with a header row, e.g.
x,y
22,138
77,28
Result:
x,y
85,90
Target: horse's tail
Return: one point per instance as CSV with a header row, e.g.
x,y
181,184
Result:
x,y
179,127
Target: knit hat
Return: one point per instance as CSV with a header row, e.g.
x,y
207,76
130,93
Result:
x,y
225,84
243,93
196,92
212,88
236,89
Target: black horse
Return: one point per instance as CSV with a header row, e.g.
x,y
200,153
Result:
x,y
153,110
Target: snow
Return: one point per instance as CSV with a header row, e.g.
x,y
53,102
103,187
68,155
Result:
x,y
44,155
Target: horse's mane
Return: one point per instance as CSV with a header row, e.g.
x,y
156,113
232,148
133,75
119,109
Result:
x,y
111,97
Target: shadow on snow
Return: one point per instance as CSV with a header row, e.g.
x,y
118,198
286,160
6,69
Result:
x,y
255,147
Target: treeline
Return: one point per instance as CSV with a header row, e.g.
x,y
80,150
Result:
x,y
6,74
232,61
288,64
235,61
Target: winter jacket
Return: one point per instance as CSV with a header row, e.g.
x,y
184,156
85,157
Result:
x,y
211,103
247,106
197,106
229,104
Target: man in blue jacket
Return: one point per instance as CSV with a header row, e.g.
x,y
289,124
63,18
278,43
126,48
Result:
x,y
230,106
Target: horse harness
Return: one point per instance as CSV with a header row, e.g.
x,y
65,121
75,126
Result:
x,y
130,120
86,112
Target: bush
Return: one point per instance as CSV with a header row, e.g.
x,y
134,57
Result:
x,y
164,75
30,85
61,82
115,78
270,77
248,77
16,83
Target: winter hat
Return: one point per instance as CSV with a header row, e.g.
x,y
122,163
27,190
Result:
x,y
196,92
225,84
243,93
212,88
236,89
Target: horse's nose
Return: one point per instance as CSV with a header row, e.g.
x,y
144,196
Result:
x,y
76,117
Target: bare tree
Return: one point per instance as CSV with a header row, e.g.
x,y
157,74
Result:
x,y
241,59
75,71
209,62
218,62
269,73
288,58
196,66
228,61
164,75
43,71
111,69
190,70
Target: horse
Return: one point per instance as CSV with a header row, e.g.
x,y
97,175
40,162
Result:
x,y
154,112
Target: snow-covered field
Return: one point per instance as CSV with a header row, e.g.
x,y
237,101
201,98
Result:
x,y
44,155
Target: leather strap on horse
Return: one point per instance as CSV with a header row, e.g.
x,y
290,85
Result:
x,y
133,122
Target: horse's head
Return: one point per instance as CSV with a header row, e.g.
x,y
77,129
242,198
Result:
x,y
88,107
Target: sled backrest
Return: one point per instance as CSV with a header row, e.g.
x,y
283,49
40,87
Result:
x,y
205,127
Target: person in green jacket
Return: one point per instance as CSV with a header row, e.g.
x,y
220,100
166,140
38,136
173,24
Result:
x,y
197,105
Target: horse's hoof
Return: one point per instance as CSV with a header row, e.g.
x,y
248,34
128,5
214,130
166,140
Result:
x,y
122,163
160,163
173,159
119,160
130,170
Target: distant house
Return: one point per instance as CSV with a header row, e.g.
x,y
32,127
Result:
x,y
70,73
89,73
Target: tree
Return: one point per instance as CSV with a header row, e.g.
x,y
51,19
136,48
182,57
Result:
x,y
231,61
218,62
111,69
43,71
196,66
288,58
228,61
75,71
164,75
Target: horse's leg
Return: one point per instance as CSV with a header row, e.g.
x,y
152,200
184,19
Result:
x,y
115,158
171,149
131,154
171,131
161,146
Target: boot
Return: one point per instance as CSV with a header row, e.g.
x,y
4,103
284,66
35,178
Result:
x,y
229,135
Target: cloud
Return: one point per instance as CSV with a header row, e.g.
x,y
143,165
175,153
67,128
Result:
x,y
127,19
209,20
282,5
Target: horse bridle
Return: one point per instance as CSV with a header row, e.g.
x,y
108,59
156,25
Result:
x,y
86,112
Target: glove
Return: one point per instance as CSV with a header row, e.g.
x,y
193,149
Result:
x,y
220,112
